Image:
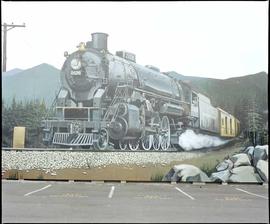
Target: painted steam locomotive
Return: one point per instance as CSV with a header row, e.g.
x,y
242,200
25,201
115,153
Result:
x,y
109,99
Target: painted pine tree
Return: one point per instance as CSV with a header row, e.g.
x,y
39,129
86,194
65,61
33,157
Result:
x,y
254,122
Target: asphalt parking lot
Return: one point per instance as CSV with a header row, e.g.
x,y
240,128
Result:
x,y
50,201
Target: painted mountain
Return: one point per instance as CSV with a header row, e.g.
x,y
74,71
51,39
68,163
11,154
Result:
x,y
40,82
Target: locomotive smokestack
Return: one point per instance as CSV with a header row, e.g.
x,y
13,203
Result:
x,y
99,41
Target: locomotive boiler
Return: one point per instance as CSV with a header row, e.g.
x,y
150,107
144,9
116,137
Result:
x,y
108,99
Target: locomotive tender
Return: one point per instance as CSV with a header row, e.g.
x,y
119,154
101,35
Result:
x,y
110,99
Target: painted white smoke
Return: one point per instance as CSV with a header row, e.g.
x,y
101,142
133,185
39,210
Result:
x,y
190,140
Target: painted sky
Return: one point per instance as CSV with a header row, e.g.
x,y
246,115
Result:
x,y
209,39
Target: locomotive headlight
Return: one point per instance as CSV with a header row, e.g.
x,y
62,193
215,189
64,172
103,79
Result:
x,y
75,64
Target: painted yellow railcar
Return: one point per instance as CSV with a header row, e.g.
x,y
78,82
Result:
x,y
229,125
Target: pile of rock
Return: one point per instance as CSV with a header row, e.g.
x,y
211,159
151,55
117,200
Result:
x,y
250,165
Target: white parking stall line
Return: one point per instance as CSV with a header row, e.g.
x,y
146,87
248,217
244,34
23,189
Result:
x,y
41,189
251,193
111,192
184,193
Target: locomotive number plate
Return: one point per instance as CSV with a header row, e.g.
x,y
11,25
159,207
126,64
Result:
x,y
75,72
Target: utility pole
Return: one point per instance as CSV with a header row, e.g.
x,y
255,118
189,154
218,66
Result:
x,y
6,26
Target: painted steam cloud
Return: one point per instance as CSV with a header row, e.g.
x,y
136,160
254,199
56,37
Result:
x,y
190,140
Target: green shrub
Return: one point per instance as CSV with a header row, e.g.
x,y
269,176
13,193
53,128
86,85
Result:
x,y
157,177
208,169
40,177
13,175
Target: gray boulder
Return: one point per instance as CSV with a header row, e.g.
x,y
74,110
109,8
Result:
x,y
263,147
244,174
222,176
241,159
249,151
189,173
226,164
175,177
246,150
260,153
169,176
262,169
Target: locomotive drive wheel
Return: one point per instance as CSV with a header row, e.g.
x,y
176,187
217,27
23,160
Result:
x,y
133,144
165,133
146,142
156,141
123,144
103,140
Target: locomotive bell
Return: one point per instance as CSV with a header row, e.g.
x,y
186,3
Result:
x,y
81,46
99,41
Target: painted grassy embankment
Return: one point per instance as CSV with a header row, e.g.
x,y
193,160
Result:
x,y
207,162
